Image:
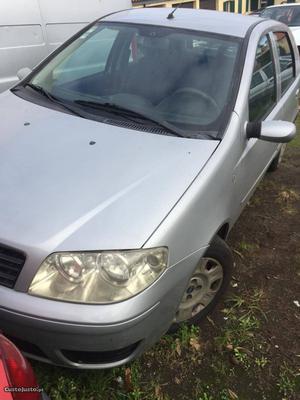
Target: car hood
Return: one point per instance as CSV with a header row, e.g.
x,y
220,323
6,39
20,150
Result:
x,y
61,191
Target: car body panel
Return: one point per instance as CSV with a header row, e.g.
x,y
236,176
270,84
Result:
x,y
199,20
4,383
142,318
12,378
180,191
296,33
257,154
76,177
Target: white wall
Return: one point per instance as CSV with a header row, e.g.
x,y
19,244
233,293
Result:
x,y
79,10
18,12
31,29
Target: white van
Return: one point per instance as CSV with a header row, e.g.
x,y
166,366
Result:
x,y
31,29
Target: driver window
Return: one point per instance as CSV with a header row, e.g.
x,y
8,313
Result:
x,y
262,97
89,58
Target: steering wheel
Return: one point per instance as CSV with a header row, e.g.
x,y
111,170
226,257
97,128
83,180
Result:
x,y
199,92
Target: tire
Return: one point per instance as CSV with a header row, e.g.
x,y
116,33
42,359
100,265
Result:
x,y
277,160
218,257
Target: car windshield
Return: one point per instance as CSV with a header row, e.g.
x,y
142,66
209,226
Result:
x,y
289,15
181,78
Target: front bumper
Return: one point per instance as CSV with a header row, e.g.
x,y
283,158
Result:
x,y
94,336
82,346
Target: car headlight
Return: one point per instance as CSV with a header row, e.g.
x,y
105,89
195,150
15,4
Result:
x,y
98,277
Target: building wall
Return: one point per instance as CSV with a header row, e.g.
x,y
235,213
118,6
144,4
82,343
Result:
x,y
170,4
237,6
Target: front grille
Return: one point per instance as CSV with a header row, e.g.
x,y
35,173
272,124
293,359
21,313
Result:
x,y
99,357
11,264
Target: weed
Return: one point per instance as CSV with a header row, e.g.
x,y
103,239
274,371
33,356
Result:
x,y
261,361
186,333
224,394
205,396
242,357
287,381
242,321
248,305
248,246
295,143
203,392
239,335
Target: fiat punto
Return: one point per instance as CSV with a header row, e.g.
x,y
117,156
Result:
x,y
125,159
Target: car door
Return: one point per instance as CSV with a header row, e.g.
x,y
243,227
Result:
x,y
276,98
287,55
263,95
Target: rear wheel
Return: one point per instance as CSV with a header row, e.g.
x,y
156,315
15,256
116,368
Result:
x,y
206,285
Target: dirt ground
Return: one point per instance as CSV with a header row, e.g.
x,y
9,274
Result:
x,y
272,225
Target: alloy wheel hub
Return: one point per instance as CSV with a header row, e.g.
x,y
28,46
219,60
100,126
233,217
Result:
x,y
204,284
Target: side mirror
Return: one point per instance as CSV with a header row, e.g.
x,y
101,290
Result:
x,y
271,131
23,72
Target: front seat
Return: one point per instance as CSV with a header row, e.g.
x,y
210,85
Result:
x,y
154,66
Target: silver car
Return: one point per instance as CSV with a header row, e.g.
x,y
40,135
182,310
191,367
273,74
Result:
x,y
125,159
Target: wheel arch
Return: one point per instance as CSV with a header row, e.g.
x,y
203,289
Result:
x,y
223,230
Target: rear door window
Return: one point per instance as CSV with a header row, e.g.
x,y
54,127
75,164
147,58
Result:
x,y
262,97
286,60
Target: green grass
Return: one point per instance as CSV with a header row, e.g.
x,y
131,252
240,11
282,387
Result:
x,y
288,381
124,383
242,322
236,355
244,246
182,364
116,384
295,143
175,359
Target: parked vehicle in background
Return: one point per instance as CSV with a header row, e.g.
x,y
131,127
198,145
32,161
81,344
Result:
x,y
256,13
17,379
31,29
288,14
126,158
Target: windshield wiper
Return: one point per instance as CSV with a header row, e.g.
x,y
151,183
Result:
x,y
211,135
53,99
124,111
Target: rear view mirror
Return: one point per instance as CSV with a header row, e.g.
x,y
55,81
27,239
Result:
x,y
271,131
23,72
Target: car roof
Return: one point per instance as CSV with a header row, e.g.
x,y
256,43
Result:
x,y
224,23
284,5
